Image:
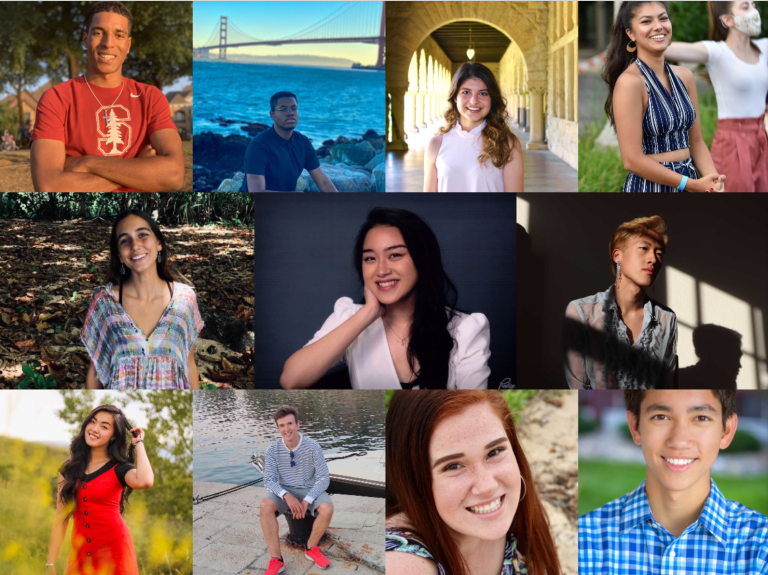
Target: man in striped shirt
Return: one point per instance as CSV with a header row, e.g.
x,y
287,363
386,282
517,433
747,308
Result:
x,y
676,522
296,475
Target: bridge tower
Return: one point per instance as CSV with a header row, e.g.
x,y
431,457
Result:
x,y
223,38
382,33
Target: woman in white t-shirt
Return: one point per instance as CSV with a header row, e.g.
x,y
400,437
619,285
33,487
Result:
x,y
408,334
738,68
475,151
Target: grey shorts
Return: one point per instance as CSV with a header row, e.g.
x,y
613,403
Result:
x,y
300,494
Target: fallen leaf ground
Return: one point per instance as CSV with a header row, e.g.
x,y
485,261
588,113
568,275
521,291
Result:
x,y
49,270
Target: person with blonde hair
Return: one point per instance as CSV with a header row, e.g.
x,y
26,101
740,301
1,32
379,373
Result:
x,y
475,151
621,338
737,64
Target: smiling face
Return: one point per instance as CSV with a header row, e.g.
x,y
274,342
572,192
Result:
x,y
286,113
99,431
473,101
388,270
288,428
475,477
107,42
137,245
681,433
651,28
641,259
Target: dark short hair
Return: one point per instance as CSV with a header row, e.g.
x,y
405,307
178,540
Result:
x,y
633,398
275,97
111,6
284,410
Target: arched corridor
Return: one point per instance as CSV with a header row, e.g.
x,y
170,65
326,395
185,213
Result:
x,y
530,47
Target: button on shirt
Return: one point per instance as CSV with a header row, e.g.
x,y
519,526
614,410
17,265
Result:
x,y
280,161
597,352
622,538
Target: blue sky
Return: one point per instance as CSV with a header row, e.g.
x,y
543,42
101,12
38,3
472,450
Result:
x,y
272,20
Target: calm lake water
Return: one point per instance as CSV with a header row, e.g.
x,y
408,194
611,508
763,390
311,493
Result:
x,y
230,425
333,102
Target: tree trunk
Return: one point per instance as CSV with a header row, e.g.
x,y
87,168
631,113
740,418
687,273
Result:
x,y
19,91
73,62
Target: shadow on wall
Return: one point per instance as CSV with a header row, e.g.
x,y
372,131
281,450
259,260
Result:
x,y
715,273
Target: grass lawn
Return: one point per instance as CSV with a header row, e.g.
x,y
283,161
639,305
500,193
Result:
x,y
603,481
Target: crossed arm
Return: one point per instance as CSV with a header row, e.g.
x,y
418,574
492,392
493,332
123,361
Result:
x,y
158,167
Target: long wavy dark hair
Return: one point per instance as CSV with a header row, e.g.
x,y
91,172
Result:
x,y
617,58
73,470
436,296
496,134
411,421
164,269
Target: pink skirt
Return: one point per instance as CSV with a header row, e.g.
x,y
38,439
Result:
x,y
740,151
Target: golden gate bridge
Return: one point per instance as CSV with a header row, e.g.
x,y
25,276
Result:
x,y
351,22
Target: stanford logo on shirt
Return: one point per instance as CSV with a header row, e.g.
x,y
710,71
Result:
x,y
112,123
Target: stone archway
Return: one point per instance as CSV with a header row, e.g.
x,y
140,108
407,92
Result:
x,y
525,23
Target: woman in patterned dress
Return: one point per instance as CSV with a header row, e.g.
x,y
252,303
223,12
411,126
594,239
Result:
x,y
460,494
94,486
141,327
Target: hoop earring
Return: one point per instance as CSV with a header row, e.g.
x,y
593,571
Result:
x,y
122,270
633,47
618,273
525,488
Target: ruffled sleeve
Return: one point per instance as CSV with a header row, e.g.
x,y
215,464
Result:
x,y
95,335
469,360
343,309
187,311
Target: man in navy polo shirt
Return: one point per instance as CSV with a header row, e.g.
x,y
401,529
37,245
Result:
x,y
275,158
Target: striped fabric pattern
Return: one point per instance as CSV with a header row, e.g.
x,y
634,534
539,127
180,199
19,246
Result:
x,y
124,358
622,538
669,116
310,471
634,184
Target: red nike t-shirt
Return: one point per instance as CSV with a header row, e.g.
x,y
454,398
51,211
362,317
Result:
x,y
71,114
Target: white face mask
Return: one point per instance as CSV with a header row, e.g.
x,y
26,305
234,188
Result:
x,y
748,23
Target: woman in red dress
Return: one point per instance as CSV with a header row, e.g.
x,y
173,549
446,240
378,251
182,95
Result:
x,y
94,485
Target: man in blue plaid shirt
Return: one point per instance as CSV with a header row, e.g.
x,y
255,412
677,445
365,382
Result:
x,y
676,522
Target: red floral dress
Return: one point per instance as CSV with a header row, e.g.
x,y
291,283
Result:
x,y
101,542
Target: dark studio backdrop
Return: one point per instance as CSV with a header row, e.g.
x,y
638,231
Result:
x,y
304,263
717,247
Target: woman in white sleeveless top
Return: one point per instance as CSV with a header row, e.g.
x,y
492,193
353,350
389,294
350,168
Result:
x,y
475,151
738,67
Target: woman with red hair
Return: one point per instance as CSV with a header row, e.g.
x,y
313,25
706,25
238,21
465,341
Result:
x,y
460,495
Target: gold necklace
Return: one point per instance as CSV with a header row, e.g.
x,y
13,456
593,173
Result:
x,y
402,339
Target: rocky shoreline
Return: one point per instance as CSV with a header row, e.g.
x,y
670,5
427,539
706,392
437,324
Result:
x,y
352,164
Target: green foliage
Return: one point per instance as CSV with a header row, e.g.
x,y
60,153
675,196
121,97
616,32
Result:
x,y
587,424
34,379
167,208
9,119
690,20
604,481
743,442
516,399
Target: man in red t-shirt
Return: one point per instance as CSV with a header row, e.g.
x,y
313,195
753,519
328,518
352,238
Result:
x,y
102,132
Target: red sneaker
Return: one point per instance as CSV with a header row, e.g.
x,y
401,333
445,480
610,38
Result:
x,y
319,559
275,566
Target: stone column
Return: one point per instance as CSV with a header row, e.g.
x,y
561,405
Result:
x,y
409,118
420,109
536,118
397,91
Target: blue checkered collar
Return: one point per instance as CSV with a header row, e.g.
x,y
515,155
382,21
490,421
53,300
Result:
x,y
714,516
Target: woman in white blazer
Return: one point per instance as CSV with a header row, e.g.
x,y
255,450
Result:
x,y
408,333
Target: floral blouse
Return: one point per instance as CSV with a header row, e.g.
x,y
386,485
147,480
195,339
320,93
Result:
x,y
597,352
406,542
125,358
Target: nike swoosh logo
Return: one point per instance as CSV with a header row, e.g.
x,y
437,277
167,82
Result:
x,y
135,95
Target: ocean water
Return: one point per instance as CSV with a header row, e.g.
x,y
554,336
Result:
x,y
230,425
333,102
